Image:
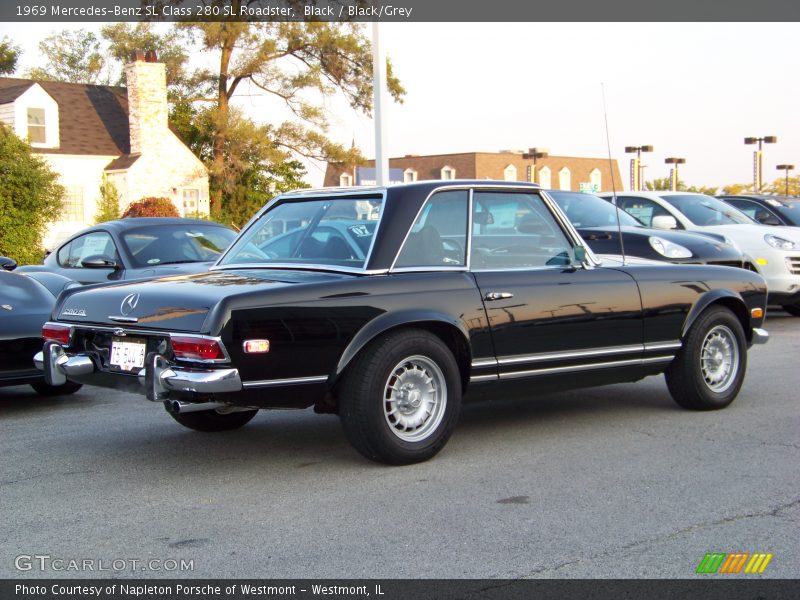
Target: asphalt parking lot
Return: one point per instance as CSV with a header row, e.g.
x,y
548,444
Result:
x,y
607,482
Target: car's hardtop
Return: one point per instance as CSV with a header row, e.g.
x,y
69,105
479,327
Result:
x,y
121,225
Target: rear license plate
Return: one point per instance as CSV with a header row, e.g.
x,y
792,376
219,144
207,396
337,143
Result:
x,y
128,353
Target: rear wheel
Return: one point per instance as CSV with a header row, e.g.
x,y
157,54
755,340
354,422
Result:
x,y
709,370
401,398
212,420
792,309
45,389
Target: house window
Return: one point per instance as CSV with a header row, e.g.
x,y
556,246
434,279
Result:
x,y
510,173
36,130
596,179
544,177
564,179
191,201
345,180
73,203
448,172
409,175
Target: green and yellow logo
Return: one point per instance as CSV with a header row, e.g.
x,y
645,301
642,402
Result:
x,y
722,563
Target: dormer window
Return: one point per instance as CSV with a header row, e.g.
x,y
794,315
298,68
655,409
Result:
x,y
345,180
448,172
36,128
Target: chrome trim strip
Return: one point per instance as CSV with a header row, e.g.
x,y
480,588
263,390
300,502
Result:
x,y
484,362
297,267
663,346
584,367
123,319
470,226
548,356
478,378
112,329
289,381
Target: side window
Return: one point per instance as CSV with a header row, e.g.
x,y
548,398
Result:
x,y
642,208
97,243
439,235
514,230
755,211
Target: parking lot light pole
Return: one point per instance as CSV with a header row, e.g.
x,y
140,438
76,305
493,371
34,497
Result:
x,y
637,169
767,139
673,173
786,169
534,153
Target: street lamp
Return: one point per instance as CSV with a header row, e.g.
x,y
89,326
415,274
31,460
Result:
x,y
767,139
786,169
534,153
673,173
636,165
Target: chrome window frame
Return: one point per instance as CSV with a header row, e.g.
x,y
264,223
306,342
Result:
x,y
310,195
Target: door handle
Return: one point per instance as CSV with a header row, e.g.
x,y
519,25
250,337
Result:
x,y
497,296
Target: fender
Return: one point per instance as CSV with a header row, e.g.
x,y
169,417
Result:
x,y
389,321
710,298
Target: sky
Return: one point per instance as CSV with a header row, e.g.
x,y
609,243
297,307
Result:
x,y
691,90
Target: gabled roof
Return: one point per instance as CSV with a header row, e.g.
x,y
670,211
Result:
x,y
92,119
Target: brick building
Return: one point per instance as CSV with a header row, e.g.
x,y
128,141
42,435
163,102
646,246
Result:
x,y
558,172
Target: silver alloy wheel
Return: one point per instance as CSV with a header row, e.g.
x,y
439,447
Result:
x,y
719,359
414,398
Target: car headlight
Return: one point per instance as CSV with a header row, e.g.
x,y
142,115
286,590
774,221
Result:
x,y
779,242
668,249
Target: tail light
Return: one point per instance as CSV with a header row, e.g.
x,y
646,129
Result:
x,y
197,348
53,332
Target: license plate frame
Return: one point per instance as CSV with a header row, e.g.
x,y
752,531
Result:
x,y
127,354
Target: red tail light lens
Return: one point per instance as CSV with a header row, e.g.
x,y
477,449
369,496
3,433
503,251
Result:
x,y
196,348
53,332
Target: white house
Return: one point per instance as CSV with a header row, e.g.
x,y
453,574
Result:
x,y
87,131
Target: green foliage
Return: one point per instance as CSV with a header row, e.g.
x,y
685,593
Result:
x,y
661,184
151,207
108,207
9,55
704,189
73,56
30,198
778,187
737,188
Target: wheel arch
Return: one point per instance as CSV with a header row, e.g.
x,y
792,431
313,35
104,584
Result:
x,y
443,326
720,297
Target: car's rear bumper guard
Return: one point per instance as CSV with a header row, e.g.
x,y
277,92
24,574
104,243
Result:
x,y
159,377
760,336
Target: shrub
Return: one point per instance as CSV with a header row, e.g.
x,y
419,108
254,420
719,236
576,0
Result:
x,y
151,207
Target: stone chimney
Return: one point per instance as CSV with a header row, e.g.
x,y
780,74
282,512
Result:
x,y
147,101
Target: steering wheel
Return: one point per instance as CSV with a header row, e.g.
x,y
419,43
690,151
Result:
x,y
454,251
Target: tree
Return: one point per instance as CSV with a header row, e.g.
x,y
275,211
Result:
x,y
151,207
736,188
661,184
108,207
30,198
703,189
9,55
73,56
778,187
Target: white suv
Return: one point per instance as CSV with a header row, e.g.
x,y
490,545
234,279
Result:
x,y
773,251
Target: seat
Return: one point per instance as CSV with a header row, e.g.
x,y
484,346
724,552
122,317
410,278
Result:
x,y
336,248
423,248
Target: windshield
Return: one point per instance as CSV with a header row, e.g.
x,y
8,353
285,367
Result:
x,y
585,210
335,232
173,244
707,210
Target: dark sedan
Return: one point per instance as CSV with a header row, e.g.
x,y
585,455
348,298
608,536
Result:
x,y
471,287
768,210
25,305
596,221
138,248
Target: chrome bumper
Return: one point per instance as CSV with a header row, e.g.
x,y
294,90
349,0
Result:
x,y
760,336
159,377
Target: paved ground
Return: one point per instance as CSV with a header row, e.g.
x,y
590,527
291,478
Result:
x,y
608,482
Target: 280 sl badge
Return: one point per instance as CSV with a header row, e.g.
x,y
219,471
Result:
x,y
73,312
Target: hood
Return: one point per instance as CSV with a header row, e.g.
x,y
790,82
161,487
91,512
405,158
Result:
x,y
181,303
750,238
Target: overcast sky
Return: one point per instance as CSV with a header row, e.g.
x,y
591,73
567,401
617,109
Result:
x,y
691,90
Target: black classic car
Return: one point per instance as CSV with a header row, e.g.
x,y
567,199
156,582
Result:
x,y
448,288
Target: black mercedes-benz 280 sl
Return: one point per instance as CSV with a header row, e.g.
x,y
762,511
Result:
x,y
386,305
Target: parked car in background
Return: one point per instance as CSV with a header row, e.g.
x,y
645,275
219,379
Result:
x,y
774,252
26,302
465,285
600,225
137,248
768,210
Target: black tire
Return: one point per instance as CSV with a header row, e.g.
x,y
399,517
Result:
x,y
211,420
792,309
44,389
697,385
375,420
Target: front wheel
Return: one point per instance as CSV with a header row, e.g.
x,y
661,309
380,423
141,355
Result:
x,y
709,370
401,398
212,420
